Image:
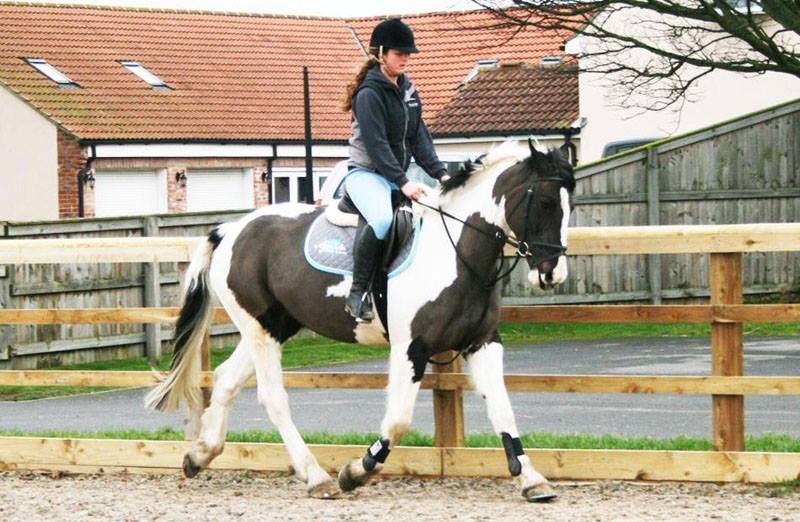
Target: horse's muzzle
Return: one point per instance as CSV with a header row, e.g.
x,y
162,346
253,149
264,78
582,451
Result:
x,y
548,274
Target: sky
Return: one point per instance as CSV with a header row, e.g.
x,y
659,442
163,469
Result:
x,y
344,8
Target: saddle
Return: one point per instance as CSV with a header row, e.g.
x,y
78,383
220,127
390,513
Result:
x,y
328,245
345,214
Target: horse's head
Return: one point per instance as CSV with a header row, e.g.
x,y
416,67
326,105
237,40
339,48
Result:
x,y
537,196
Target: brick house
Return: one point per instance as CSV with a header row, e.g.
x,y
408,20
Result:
x,y
114,111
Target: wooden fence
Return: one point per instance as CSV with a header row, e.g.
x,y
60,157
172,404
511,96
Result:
x,y
745,170
726,384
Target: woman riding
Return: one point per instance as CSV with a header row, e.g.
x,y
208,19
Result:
x,y
387,131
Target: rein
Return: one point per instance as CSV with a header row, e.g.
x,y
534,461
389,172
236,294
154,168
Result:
x,y
523,249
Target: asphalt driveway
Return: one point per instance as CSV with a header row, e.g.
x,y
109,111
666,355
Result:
x,y
361,411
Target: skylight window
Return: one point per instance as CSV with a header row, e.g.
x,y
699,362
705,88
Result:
x,y
481,65
51,72
144,74
551,60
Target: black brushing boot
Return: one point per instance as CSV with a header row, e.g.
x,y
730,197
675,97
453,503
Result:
x,y
365,256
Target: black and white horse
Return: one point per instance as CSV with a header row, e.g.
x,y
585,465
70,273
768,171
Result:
x,y
443,301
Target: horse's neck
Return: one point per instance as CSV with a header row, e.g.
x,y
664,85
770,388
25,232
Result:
x,y
476,196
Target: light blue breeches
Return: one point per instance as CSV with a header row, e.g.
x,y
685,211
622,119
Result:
x,y
372,195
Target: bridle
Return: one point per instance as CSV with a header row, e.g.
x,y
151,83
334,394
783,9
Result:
x,y
523,248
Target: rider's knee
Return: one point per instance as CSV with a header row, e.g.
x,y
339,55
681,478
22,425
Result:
x,y
381,226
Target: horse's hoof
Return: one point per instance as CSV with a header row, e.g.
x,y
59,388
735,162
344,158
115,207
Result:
x,y
347,482
539,493
190,469
325,491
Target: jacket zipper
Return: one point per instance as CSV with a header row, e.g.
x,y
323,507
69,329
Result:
x,y
405,125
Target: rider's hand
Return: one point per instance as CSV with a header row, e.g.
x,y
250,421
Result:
x,y
444,178
413,190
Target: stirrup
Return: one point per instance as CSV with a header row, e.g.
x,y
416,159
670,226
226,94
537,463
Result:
x,y
363,312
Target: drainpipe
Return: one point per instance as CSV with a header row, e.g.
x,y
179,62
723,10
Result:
x,y
570,147
85,175
268,175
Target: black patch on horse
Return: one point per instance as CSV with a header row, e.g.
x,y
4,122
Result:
x,y
418,354
278,323
214,238
460,179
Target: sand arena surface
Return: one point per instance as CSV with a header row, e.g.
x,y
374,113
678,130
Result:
x,y
244,496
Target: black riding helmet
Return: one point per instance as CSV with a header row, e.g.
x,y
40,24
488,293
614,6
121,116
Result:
x,y
393,34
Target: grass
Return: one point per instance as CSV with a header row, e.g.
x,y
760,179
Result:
x,y
296,354
319,351
764,443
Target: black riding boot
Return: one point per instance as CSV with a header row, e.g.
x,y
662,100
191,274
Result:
x,y
365,254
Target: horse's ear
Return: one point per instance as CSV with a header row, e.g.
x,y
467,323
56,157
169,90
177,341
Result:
x,y
535,154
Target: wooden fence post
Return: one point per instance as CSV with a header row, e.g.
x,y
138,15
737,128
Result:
x,y
8,333
727,352
653,218
152,296
205,365
448,407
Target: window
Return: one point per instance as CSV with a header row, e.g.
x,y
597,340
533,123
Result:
x,y
551,60
481,65
286,182
137,69
51,72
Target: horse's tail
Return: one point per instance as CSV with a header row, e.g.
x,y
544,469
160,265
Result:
x,y
183,379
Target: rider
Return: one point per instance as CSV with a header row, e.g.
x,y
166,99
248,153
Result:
x,y
387,130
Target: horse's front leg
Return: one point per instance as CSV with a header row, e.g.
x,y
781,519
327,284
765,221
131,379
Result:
x,y
401,397
266,353
486,366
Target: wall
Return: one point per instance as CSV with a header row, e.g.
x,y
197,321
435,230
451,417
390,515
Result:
x,y
29,164
719,96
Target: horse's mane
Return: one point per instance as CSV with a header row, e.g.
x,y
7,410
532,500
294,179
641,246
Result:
x,y
509,149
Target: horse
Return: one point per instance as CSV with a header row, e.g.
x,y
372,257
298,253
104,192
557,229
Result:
x,y
446,299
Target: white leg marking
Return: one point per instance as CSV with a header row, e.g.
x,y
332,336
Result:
x,y
229,378
266,352
486,367
401,394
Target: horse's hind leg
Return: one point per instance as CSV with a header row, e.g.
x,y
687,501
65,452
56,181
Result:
x,y
272,395
401,397
486,366
229,378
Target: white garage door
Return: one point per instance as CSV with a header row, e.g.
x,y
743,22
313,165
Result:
x,y
219,189
129,193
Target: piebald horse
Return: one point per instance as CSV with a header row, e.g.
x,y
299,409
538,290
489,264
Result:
x,y
445,300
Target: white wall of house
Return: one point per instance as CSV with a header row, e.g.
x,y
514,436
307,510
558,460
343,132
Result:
x,y
446,147
29,164
718,96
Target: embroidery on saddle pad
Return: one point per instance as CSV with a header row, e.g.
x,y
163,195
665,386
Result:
x,y
329,248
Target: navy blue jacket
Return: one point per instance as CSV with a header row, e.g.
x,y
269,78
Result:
x,y
388,129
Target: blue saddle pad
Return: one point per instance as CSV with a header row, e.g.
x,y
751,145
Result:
x,y
329,248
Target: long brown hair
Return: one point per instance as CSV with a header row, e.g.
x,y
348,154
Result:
x,y
375,59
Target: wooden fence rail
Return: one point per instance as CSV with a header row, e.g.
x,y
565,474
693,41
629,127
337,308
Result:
x,y
726,385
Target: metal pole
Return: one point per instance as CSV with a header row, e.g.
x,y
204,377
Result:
x,y
307,186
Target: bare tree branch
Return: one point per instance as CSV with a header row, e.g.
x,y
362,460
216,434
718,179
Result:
x,y
662,48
